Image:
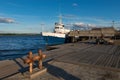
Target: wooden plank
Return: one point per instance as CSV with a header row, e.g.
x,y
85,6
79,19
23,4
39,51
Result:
x,y
100,55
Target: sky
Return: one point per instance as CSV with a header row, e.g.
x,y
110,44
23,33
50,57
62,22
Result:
x,y
34,16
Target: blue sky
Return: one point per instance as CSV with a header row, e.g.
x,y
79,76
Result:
x,y
26,16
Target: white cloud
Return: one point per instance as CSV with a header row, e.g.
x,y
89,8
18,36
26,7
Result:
x,y
14,4
81,24
91,25
94,21
75,4
6,20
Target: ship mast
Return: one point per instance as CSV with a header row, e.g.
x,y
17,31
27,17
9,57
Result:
x,y
60,19
113,23
60,15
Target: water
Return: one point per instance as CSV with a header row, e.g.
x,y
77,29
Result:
x,y
17,46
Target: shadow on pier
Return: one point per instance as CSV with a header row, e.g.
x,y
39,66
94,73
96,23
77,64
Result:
x,y
59,73
13,69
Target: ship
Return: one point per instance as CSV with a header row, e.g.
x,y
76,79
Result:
x,y
58,36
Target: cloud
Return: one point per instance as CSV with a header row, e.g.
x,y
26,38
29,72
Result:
x,y
94,21
81,24
91,25
6,20
14,4
75,4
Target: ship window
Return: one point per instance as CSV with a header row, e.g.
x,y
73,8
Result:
x,y
56,27
56,23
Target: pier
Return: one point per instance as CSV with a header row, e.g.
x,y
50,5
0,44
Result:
x,y
73,61
110,33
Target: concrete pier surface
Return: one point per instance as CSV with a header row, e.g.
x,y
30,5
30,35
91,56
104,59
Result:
x,y
73,61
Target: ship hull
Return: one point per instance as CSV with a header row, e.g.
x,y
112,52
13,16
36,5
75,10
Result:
x,y
53,38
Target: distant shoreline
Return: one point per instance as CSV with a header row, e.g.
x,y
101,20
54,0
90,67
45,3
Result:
x,y
14,34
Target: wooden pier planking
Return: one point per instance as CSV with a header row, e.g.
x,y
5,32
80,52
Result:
x,y
100,55
75,53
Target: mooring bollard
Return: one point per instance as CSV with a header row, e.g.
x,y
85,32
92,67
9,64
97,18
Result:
x,y
41,55
29,61
39,58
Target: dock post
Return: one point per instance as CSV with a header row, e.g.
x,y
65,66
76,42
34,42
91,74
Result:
x,y
41,56
29,61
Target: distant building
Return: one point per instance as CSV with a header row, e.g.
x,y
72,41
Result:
x,y
94,32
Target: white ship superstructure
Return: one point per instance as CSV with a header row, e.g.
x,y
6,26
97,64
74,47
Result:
x,y
58,36
59,30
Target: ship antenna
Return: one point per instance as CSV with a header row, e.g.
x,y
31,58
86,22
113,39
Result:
x,y
60,19
113,23
60,15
